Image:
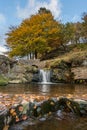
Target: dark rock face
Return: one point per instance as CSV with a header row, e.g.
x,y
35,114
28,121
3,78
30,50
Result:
x,y
62,73
73,72
3,113
1,122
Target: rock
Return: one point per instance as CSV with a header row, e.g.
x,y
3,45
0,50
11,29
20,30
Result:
x,y
61,72
48,106
6,127
1,122
35,78
82,106
59,114
42,110
15,81
3,80
18,71
84,62
3,112
78,107
80,74
71,71
4,64
42,119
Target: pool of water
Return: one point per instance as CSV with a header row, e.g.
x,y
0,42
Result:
x,y
75,91
55,123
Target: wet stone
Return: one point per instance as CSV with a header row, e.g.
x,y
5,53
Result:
x,y
33,111
42,119
3,112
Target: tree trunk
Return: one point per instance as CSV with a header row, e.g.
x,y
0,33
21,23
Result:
x,y
35,54
30,55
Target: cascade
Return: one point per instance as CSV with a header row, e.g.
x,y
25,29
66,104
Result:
x,y
44,76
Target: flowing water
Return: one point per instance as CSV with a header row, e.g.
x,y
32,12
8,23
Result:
x,y
44,76
68,122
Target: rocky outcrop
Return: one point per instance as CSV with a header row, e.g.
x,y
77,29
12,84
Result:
x,y
39,110
80,71
74,71
3,112
6,64
61,72
23,74
21,71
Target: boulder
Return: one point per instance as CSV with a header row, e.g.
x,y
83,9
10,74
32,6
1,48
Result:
x,y
3,112
61,73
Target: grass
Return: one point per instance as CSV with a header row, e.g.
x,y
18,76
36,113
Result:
x,y
68,57
3,80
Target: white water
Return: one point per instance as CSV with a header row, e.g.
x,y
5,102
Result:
x,y
44,76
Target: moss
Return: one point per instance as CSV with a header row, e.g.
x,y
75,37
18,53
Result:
x,y
3,80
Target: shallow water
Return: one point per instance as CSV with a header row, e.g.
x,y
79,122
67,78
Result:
x,y
55,123
70,90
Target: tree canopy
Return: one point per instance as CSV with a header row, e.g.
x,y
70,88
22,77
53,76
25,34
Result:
x,y
39,33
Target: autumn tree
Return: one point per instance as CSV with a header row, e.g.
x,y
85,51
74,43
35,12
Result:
x,y
43,10
16,41
38,34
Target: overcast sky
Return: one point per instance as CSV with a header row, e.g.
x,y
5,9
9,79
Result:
x,y
12,12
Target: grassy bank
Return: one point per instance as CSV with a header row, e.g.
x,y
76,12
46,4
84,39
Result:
x,y
68,57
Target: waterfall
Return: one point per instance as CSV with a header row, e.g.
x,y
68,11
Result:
x,y
44,76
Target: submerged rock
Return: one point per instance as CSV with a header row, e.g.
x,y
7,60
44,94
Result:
x,y
3,112
42,110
